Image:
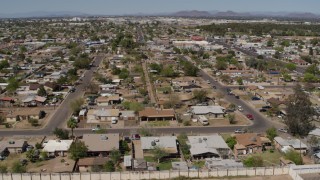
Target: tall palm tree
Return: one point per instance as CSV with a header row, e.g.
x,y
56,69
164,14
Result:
x,y
72,123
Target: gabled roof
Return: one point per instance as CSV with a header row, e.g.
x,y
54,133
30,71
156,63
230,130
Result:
x,y
249,139
295,143
206,144
201,110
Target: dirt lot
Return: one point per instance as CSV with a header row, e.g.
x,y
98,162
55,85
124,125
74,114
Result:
x,y
58,164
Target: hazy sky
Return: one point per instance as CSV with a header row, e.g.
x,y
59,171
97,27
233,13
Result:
x,y
155,6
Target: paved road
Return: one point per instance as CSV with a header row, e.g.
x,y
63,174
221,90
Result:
x,y
58,119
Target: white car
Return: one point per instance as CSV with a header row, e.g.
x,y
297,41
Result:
x,y
95,129
239,131
114,121
208,82
240,108
283,130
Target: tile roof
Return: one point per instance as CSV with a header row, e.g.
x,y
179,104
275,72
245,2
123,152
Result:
x,y
249,139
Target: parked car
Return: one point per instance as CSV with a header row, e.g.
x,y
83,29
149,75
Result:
x,y
240,108
96,129
250,116
239,131
72,90
208,82
283,130
135,137
263,110
266,107
255,98
237,97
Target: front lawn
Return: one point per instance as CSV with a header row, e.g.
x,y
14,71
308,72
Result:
x,y
198,164
271,159
158,123
166,164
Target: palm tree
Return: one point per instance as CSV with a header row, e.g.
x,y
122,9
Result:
x,y
72,123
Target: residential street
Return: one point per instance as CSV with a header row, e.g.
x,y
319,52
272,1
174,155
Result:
x,y
63,112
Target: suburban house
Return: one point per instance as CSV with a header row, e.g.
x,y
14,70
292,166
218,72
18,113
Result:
x,y
101,143
87,164
168,143
17,146
22,114
315,132
6,101
202,147
286,144
108,100
106,87
33,100
250,143
57,147
208,111
218,163
152,114
102,115
34,87
300,62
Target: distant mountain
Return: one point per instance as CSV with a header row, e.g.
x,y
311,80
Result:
x,y
43,14
232,14
193,13
302,15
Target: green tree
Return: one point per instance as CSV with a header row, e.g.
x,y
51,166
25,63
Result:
x,y
232,118
294,156
109,166
221,65
3,169
253,161
240,81
200,95
312,69
115,156
76,105
158,153
185,148
310,78
144,131
78,150
299,113
72,123
271,133
231,141
61,134
291,66
13,85
17,167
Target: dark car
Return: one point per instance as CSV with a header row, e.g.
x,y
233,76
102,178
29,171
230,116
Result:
x,y
266,107
238,97
135,137
255,98
250,116
263,110
72,90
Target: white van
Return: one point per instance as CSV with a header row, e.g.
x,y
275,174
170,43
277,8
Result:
x,y
203,120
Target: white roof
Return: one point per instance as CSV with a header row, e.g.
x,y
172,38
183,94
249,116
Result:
x,y
57,145
163,142
205,144
315,132
207,109
127,160
295,143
